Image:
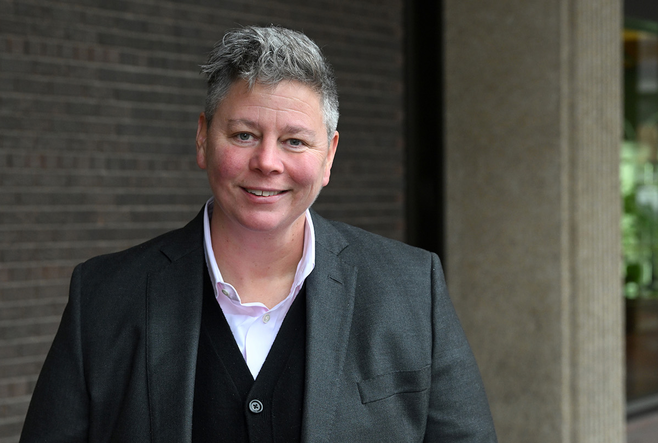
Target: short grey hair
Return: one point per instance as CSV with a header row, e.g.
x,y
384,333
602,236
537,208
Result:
x,y
268,56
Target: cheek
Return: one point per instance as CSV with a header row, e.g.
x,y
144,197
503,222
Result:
x,y
307,173
224,166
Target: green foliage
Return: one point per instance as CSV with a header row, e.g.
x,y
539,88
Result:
x,y
639,186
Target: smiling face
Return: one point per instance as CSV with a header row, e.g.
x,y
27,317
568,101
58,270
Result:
x,y
267,156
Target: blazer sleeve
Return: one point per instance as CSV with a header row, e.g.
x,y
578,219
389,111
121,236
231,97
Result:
x,y
458,410
58,411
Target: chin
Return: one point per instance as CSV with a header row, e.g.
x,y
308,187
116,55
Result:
x,y
265,223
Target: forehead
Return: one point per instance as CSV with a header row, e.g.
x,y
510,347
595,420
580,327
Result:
x,y
289,99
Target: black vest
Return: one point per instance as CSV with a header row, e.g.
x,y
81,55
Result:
x,y
229,406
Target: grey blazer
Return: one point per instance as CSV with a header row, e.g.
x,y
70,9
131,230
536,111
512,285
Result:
x,y
387,360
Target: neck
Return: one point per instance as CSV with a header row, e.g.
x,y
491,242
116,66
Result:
x,y
261,266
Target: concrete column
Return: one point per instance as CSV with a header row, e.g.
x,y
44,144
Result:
x,y
533,128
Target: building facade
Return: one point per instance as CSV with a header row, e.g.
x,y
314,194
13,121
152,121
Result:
x,y
98,109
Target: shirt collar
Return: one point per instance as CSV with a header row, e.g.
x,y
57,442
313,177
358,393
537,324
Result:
x,y
304,267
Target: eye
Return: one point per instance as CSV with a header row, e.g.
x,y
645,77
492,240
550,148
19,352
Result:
x,y
295,142
244,136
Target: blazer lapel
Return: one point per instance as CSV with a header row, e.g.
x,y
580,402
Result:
x,y
329,304
174,316
174,304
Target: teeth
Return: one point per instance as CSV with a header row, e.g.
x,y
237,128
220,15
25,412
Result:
x,y
263,193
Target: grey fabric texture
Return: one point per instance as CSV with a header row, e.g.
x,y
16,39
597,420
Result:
x,y
386,357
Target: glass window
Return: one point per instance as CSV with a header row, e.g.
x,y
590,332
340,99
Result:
x,y
639,187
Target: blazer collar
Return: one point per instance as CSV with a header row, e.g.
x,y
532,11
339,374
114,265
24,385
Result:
x,y
174,297
330,292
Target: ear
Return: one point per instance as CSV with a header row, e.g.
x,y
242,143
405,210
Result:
x,y
201,141
333,144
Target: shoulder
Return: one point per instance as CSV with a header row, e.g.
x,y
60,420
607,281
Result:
x,y
364,248
148,256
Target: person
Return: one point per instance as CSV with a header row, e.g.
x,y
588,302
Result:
x,y
261,321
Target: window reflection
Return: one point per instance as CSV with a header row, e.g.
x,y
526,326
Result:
x,y
639,187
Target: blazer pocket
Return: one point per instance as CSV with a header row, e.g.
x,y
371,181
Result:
x,y
393,383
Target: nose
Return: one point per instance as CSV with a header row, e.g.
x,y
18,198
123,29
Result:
x,y
266,157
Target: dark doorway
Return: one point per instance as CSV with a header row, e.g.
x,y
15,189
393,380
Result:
x,y
424,125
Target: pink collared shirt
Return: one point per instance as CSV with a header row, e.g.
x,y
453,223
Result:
x,y
254,326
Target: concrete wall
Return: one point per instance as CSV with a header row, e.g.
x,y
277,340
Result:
x,y
98,107
532,137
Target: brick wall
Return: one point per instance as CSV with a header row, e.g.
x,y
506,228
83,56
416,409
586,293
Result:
x,y
98,108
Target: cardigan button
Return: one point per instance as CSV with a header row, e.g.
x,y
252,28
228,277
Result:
x,y
255,406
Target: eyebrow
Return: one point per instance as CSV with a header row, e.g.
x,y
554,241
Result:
x,y
241,121
299,130
289,129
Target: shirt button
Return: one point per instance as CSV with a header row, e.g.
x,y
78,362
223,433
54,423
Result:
x,y
225,292
266,318
255,406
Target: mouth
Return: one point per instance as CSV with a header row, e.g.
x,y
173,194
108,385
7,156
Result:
x,y
262,193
